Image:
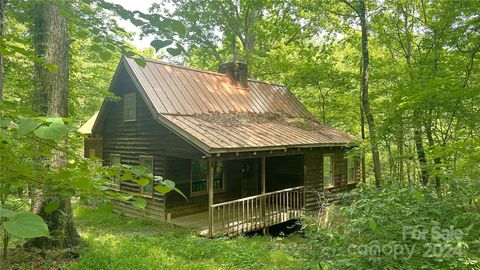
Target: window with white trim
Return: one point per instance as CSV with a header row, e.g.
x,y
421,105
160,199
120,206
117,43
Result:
x,y
351,172
147,162
328,171
130,107
115,160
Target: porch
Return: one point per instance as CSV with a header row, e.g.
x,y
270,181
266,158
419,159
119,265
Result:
x,y
241,216
257,193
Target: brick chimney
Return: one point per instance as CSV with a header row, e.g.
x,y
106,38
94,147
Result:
x,y
238,71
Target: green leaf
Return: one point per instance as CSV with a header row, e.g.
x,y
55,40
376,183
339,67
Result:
x,y
178,27
162,189
180,192
142,181
174,51
141,62
169,183
51,206
54,131
26,126
159,44
6,213
139,203
138,170
26,225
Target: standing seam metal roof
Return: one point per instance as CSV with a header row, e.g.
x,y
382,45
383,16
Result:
x,y
214,113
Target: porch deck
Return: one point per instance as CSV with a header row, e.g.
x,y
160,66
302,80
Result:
x,y
245,215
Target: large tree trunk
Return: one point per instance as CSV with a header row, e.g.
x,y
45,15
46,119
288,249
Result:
x,y
51,98
3,6
365,102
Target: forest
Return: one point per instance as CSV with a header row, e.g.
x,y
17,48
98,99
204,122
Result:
x,y
402,76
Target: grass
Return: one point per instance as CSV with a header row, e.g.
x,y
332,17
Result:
x,y
112,241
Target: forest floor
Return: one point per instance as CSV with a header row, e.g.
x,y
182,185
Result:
x,y
111,241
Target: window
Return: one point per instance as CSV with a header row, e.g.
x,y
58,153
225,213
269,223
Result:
x,y
147,162
130,107
199,176
91,152
351,175
328,170
115,161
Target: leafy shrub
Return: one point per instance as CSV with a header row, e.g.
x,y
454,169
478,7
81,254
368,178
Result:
x,y
401,228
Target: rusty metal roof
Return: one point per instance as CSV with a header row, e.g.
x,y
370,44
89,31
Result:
x,y
240,136
215,114
180,90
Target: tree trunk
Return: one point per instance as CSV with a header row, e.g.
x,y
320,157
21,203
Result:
x,y
422,158
365,102
3,6
51,98
431,143
362,130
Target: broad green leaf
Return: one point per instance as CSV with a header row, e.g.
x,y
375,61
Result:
x,y
142,181
138,170
178,27
44,133
169,183
162,189
139,203
54,131
27,125
174,51
26,225
141,62
6,213
58,129
51,206
159,44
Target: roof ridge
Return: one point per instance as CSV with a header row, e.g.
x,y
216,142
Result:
x,y
205,71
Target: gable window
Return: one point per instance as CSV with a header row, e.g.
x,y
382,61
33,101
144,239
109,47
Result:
x,y
199,176
351,175
115,161
328,170
147,162
130,107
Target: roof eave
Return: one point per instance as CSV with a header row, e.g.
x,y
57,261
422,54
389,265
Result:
x,y
276,148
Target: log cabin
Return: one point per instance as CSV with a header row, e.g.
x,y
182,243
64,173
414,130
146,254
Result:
x,y
246,153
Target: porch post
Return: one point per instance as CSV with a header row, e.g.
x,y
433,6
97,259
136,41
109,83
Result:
x,y
263,190
210,197
263,175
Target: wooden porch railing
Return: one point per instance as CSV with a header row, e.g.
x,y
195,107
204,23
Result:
x,y
257,212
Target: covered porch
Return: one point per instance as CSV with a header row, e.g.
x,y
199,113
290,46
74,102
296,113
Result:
x,y
258,193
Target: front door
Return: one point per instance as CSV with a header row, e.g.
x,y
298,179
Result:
x,y
249,177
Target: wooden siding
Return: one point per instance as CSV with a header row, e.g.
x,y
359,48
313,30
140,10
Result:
x,y
93,143
313,171
144,136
